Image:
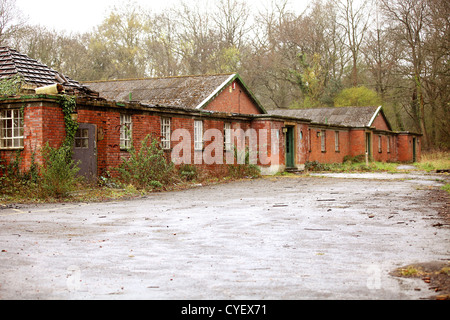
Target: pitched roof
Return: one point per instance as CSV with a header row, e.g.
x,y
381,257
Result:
x,y
33,72
344,116
193,92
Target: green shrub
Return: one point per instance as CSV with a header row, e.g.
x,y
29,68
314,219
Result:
x,y
357,97
355,159
238,171
58,173
188,172
316,166
147,168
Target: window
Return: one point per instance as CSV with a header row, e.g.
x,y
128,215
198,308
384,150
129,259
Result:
x,y
379,145
323,137
227,135
198,135
309,140
82,139
336,141
126,127
11,129
388,144
165,133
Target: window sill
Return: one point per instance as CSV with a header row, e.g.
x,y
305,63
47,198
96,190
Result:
x,y
12,149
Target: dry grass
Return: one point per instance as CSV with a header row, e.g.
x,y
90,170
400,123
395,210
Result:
x,y
435,160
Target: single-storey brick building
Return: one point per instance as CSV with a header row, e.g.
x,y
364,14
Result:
x,y
199,120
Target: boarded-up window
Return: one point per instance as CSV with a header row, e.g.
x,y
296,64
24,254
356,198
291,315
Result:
x,y
336,141
323,139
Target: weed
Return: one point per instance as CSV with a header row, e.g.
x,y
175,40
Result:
x,y
188,172
147,168
434,160
445,270
446,187
411,271
59,172
239,171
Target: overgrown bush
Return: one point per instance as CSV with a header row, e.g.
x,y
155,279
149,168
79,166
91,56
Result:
x,y
244,170
58,173
147,168
188,172
238,171
2,173
316,166
355,159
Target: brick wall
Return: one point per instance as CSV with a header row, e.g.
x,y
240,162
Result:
x,y
234,100
405,147
380,123
37,132
330,154
44,123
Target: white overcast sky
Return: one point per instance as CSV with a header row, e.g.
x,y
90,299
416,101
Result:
x,y
83,15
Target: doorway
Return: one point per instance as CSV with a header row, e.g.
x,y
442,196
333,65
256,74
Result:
x,y
290,147
85,150
369,144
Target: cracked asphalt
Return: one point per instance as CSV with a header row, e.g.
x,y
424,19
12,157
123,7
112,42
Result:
x,y
303,237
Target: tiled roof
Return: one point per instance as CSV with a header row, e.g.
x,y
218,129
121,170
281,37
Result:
x,y
34,73
344,116
193,92
185,91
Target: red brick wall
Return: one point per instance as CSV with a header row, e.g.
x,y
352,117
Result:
x,y
380,123
382,155
44,122
357,142
405,148
330,155
266,144
301,141
38,132
234,100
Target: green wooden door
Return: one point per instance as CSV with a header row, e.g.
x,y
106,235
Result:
x,y
290,149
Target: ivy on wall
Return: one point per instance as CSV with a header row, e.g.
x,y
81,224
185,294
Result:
x,y
68,105
11,86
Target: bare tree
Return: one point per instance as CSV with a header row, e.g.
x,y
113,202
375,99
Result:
x,y
231,18
354,20
410,19
11,20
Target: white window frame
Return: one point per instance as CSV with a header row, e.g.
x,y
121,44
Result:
x,y
11,129
227,136
198,135
165,133
126,128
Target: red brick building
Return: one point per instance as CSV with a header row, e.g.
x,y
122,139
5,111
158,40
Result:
x,y
198,119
